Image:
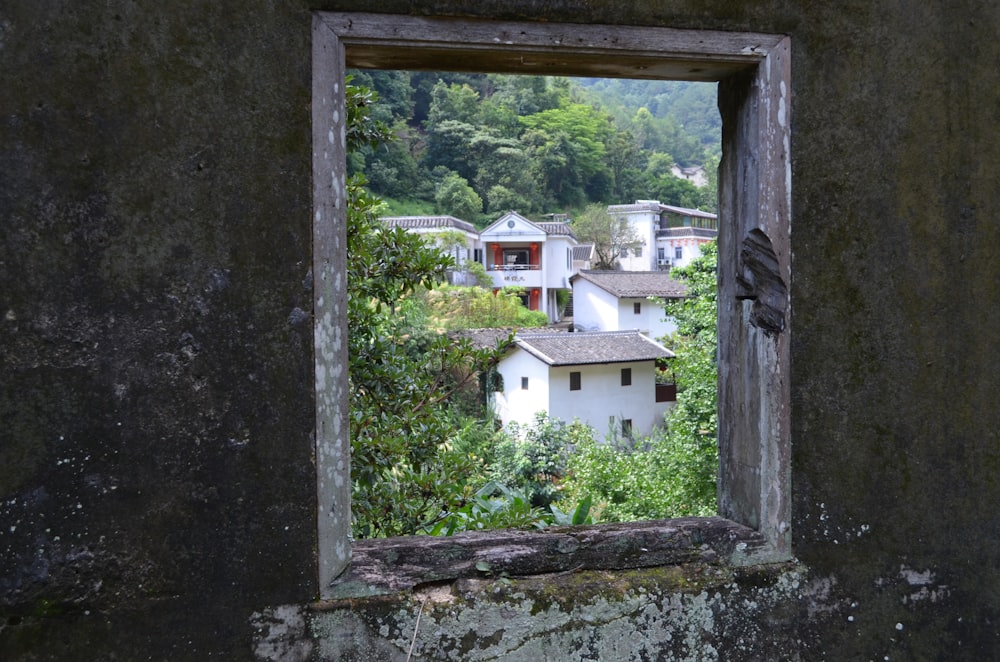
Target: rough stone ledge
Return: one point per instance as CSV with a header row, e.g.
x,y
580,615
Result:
x,y
386,566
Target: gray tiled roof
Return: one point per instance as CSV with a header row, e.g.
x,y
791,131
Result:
x,y
583,252
429,222
556,228
590,348
634,284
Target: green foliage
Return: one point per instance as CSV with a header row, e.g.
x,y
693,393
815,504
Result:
x,y
673,473
496,506
452,308
404,469
454,196
533,457
533,144
493,506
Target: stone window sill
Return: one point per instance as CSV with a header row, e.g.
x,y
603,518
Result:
x,y
386,566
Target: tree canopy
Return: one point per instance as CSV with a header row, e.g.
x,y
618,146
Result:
x,y
610,234
535,144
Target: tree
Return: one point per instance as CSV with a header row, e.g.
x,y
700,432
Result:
x,y
455,197
609,234
692,425
455,102
404,471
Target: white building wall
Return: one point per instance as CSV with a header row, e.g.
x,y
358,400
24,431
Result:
x,y
644,224
602,397
690,249
515,403
594,309
651,320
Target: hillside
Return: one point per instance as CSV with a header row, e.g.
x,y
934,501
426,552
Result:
x,y
476,145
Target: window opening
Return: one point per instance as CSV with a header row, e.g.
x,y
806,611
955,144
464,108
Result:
x,y
754,71
574,381
626,376
637,308
524,383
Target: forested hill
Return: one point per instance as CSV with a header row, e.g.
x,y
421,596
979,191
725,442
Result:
x,y
476,145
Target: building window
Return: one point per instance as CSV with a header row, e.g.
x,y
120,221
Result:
x,y
574,381
627,428
515,257
626,376
661,254
623,253
524,383
638,251
637,308
753,72
678,252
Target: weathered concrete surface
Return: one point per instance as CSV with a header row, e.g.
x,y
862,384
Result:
x,y
689,612
156,406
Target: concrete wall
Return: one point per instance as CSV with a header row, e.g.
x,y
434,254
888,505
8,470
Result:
x,y
156,470
594,309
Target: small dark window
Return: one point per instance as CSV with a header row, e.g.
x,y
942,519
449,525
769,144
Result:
x,y
638,251
627,376
678,252
574,381
524,383
627,428
637,307
623,252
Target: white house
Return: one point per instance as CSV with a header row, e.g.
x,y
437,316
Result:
x,y
670,236
619,300
606,380
535,256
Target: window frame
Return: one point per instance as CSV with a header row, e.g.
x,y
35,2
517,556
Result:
x,y
575,380
754,75
626,377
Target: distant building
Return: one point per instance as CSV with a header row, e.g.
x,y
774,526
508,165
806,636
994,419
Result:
x,y
535,256
671,236
606,380
620,300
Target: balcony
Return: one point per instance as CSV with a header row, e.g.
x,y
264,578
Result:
x,y
515,275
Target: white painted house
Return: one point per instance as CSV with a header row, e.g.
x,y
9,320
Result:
x,y
535,256
606,380
619,300
670,236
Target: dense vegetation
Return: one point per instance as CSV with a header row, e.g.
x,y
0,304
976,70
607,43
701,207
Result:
x,y
477,145
426,457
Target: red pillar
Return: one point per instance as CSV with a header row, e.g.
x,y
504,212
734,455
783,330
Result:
x,y
497,254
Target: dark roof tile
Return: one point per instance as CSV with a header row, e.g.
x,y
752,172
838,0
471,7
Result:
x,y
634,283
557,349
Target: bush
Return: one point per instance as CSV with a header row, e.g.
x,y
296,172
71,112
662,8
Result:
x,y
533,457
